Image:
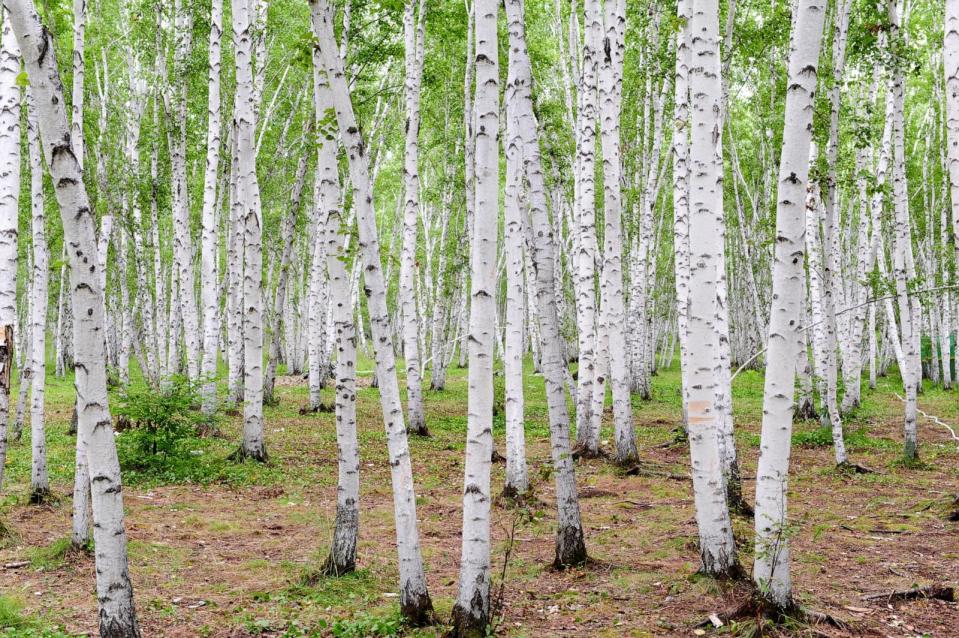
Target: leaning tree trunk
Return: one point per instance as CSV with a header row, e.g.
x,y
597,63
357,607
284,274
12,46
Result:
x,y
279,297
415,603
9,214
248,194
342,558
717,548
114,590
904,269
771,566
570,544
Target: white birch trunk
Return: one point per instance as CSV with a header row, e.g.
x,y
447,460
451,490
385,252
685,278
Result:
x,y
248,195
613,302
585,202
209,256
771,567
717,548
681,196
951,67
9,215
903,265
114,590
413,29
342,558
516,484
472,608
182,236
570,544
39,480
415,603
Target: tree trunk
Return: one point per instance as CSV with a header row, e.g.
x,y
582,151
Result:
x,y
114,590
570,544
471,611
771,568
413,28
209,255
717,548
613,302
9,215
585,202
39,481
415,603
517,479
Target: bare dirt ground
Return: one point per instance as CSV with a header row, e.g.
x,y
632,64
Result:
x,y
226,559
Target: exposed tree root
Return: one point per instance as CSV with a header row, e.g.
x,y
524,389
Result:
x,y
242,454
755,607
680,437
644,469
938,592
848,467
41,496
580,451
324,408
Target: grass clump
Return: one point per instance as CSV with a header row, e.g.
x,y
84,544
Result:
x,y
14,624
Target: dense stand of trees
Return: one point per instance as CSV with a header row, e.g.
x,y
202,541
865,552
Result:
x,y
749,185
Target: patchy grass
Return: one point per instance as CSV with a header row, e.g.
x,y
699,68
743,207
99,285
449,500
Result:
x,y
224,550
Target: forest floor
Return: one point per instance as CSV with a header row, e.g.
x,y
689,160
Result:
x,y
221,550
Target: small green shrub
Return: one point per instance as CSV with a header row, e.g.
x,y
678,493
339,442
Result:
x,y
362,625
155,425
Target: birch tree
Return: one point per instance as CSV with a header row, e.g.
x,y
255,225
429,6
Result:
x,y
39,480
9,214
415,603
342,558
717,548
472,608
248,196
114,590
613,303
771,567
414,34
209,257
570,543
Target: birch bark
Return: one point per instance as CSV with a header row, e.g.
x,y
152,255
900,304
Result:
x,y
114,590
248,196
415,603
9,215
209,257
342,558
414,32
771,565
570,544
717,548
472,608
39,480
613,302
517,480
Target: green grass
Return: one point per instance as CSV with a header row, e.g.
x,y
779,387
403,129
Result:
x,y
14,624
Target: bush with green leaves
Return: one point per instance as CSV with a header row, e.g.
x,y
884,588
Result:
x,y
154,425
